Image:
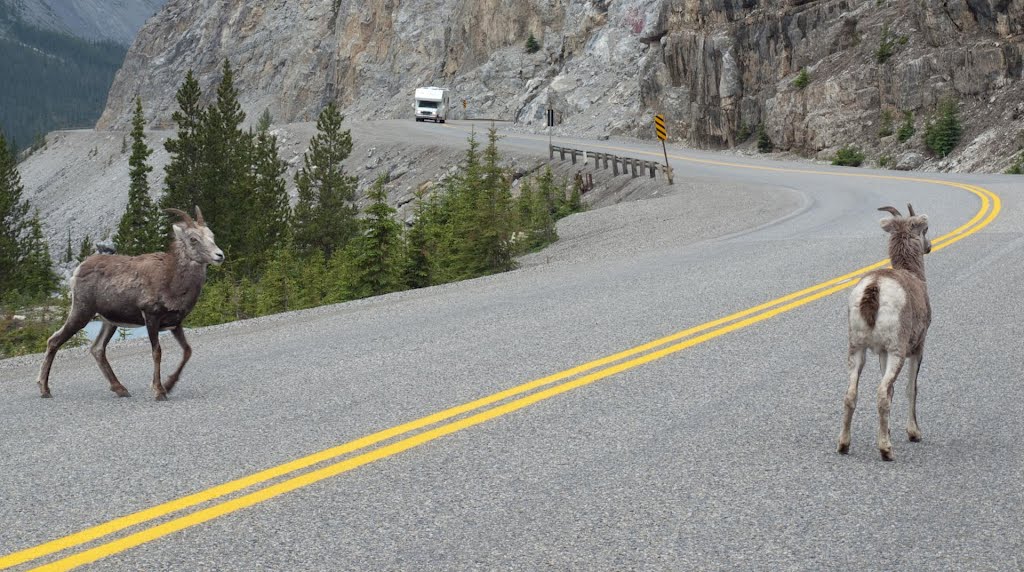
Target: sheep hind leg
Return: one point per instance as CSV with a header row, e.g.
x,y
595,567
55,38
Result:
x,y
75,322
99,351
186,353
153,329
895,364
914,367
855,363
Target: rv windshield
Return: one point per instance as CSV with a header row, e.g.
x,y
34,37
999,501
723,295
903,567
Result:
x,y
429,104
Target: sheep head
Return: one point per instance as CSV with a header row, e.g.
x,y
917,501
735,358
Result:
x,y
195,239
914,225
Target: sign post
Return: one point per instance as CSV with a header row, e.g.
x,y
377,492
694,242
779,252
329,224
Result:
x,y
659,128
551,124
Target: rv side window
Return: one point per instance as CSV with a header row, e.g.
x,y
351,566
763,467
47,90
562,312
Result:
x,y
430,104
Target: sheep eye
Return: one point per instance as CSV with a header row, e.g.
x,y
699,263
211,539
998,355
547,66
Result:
x,y
194,240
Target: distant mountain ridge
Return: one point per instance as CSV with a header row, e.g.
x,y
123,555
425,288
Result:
x,y
94,20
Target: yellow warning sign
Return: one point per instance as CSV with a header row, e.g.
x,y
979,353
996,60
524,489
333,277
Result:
x,y
659,127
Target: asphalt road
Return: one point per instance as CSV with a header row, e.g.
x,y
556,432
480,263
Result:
x,y
711,450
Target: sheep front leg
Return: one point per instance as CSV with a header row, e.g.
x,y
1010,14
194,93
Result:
x,y
914,365
855,363
885,388
186,353
153,329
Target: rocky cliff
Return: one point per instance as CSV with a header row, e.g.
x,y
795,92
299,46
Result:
x,y
715,68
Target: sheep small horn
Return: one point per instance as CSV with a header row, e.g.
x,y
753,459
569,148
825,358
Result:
x,y
911,209
199,216
891,210
182,215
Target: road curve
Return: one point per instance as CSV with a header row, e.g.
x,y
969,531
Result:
x,y
673,408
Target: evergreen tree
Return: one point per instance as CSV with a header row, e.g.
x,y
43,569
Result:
x,y
906,130
182,180
764,142
142,227
375,256
494,211
325,214
942,134
225,163
267,221
278,287
417,273
24,254
532,45
85,249
69,253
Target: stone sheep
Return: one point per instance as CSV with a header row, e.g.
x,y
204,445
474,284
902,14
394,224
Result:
x,y
889,313
156,290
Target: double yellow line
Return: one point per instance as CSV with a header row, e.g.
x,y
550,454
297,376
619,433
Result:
x,y
288,477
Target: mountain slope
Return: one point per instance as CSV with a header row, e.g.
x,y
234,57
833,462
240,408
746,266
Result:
x,y
61,81
715,68
95,20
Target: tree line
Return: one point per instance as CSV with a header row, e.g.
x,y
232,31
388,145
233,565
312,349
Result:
x,y
322,250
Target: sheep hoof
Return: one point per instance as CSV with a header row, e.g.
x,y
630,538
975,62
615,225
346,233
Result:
x,y
914,437
843,448
120,391
45,395
161,397
887,455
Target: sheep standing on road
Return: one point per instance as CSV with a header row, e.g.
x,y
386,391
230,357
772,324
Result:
x,y
889,313
156,290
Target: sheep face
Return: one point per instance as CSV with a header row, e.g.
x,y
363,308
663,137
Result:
x,y
914,227
197,243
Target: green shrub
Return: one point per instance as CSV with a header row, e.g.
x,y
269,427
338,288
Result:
x,y
886,46
848,157
764,142
744,133
532,45
906,130
885,128
942,134
803,79
884,161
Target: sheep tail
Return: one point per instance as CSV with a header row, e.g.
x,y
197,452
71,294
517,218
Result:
x,y
869,304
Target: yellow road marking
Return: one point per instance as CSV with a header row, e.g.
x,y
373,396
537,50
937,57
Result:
x,y
990,208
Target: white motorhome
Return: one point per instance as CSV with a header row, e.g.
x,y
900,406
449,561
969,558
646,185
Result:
x,y
431,103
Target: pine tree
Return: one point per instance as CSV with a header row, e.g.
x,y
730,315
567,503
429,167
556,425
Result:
x,y
182,180
942,134
85,249
24,254
225,161
267,211
325,214
375,256
532,45
417,272
69,253
142,227
764,142
494,211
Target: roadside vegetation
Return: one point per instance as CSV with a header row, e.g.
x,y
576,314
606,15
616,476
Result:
x,y
281,258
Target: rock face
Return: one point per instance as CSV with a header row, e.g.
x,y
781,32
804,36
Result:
x,y
113,20
715,68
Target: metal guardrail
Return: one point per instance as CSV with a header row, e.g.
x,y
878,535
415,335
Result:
x,y
629,165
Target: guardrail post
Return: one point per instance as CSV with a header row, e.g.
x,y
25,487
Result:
x,y
597,160
573,153
605,156
632,165
561,153
650,168
615,166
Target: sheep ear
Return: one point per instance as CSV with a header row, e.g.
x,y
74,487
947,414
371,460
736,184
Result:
x,y
887,224
179,230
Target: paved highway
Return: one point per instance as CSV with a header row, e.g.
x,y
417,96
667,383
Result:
x,y
675,408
